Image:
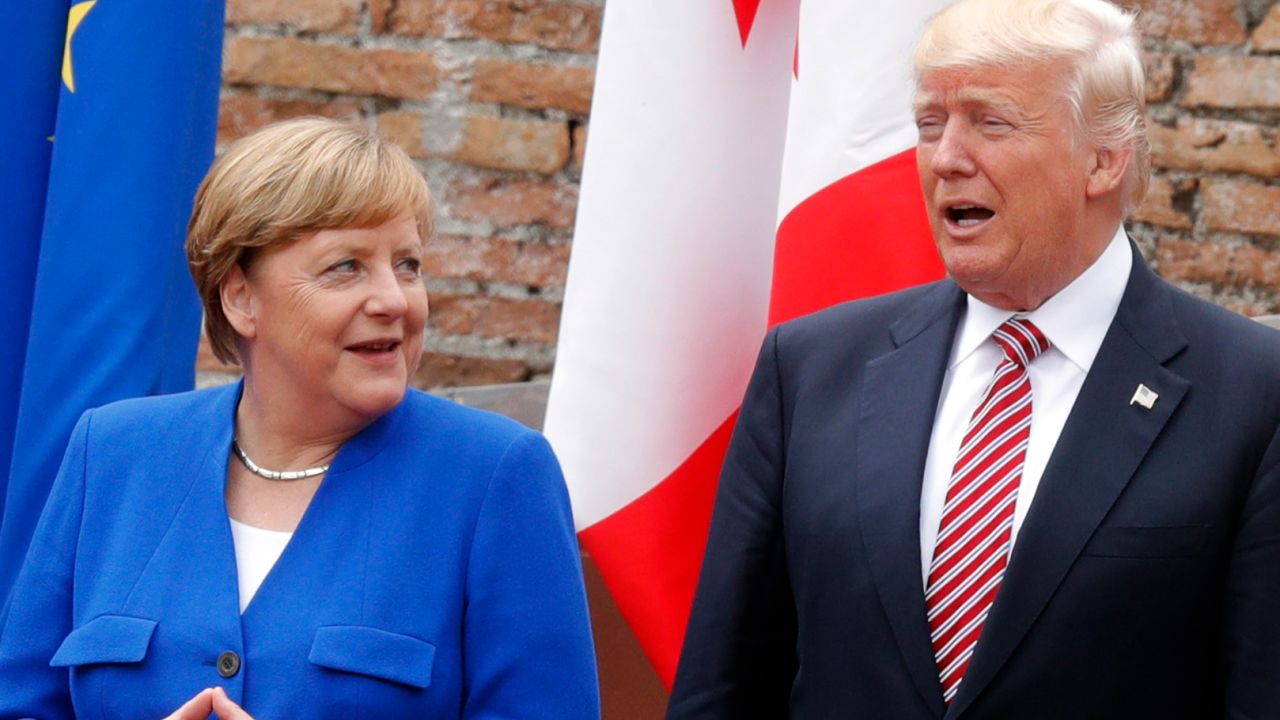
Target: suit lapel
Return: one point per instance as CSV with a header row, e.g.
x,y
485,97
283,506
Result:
x,y
898,399
1103,442
191,573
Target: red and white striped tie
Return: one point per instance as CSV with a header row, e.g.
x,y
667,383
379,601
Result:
x,y
973,543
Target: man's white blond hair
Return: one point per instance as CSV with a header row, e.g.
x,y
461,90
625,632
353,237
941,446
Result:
x,y
1095,43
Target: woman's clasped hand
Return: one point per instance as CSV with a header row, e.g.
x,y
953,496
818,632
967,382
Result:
x,y
210,701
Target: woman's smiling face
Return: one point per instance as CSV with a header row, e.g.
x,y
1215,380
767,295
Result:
x,y
338,317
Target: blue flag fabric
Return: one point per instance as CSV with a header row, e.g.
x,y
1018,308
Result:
x,y
102,175
29,66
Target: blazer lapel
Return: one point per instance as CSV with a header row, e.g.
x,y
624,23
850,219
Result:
x,y
191,573
1104,440
898,400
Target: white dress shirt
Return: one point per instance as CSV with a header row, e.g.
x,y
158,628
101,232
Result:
x,y
257,551
1075,321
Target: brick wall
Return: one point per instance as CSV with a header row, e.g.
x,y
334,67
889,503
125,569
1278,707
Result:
x,y
492,98
1211,222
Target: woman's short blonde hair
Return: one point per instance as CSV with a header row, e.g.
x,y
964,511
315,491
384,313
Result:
x,y
1096,42
283,183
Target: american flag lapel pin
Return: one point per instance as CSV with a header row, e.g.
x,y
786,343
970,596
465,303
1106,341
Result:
x,y
1144,396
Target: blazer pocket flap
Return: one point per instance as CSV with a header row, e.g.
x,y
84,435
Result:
x,y
373,652
106,639
1165,541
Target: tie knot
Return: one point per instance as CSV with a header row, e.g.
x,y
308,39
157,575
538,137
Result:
x,y
1020,340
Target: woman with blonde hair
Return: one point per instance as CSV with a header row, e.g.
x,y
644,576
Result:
x,y
318,540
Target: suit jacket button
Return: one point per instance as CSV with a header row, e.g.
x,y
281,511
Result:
x,y
228,664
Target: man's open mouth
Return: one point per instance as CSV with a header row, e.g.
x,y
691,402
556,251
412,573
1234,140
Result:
x,y
968,215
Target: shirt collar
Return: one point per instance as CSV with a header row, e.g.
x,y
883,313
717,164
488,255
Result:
x,y
1075,319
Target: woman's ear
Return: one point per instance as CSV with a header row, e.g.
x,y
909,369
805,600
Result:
x,y
237,303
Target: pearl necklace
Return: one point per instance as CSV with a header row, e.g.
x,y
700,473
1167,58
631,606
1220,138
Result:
x,y
276,474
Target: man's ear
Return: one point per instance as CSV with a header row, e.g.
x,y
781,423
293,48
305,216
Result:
x,y
237,302
1107,169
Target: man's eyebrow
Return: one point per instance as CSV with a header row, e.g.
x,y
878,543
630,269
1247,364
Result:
x,y
924,100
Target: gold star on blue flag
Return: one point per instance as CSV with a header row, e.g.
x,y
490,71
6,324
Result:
x,y
74,18
119,102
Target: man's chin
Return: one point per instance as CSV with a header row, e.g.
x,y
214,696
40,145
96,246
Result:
x,y
971,266
983,281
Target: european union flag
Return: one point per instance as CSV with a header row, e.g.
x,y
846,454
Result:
x,y
111,114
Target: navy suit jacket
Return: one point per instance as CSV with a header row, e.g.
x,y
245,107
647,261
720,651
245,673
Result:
x,y
435,574
1145,581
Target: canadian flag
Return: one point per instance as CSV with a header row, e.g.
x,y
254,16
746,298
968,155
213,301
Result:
x,y
748,162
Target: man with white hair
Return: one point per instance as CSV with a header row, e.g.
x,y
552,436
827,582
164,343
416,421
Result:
x,y
1047,487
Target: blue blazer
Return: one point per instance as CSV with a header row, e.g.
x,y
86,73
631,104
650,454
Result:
x,y
1145,582
434,575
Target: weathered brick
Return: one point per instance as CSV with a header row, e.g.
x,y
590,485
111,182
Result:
x,y
529,263
1160,207
1267,37
1204,145
1159,69
1190,261
1219,263
1202,22
405,128
288,62
512,144
1233,82
579,145
533,85
1235,206
378,12
505,202
560,26
440,370
309,15
239,115
532,320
